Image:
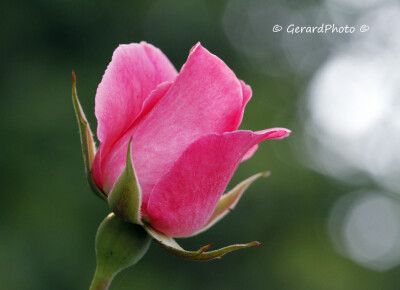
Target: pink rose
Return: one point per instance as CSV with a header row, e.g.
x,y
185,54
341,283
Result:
x,y
183,127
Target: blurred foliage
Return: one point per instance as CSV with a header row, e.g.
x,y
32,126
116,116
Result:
x,y
48,214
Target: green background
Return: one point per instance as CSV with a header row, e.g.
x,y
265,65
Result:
x,y
49,217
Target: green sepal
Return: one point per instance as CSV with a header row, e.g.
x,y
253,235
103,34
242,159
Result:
x,y
118,245
87,141
125,198
172,247
229,200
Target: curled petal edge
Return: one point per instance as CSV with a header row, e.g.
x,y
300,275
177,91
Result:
x,y
229,200
172,247
125,198
87,141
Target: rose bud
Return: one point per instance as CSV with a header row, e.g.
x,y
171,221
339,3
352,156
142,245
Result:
x,y
169,142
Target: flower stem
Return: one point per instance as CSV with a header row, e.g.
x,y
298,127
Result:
x,y
101,280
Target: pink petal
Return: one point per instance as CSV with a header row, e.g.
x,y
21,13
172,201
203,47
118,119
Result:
x,y
250,153
247,93
115,169
185,198
133,73
254,148
205,97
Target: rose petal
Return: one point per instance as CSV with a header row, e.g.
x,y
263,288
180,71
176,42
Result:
x,y
205,97
247,93
133,73
185,198
250,152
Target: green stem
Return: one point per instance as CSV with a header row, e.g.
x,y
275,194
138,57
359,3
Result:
x,y
101,280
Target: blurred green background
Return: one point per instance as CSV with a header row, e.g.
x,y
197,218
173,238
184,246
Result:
x,y
49,216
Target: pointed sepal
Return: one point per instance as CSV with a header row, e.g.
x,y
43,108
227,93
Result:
x,y
172,247
125,198
87,141
229,200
